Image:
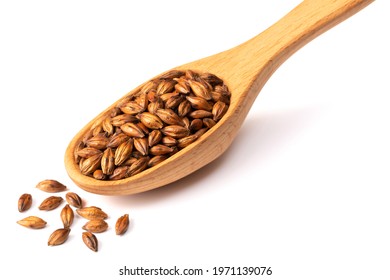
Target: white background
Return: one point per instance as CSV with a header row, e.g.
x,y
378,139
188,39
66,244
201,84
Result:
x,y
304,188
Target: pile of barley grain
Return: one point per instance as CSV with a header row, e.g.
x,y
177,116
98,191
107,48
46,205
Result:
x,y
147,126
95,216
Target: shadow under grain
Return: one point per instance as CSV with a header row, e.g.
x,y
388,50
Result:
x,y
261,137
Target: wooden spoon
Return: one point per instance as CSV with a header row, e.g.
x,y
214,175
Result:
x,y
245,69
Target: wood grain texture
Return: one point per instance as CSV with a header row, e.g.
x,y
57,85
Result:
x,y
245,69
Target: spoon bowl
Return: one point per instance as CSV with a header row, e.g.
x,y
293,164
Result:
x,y
245,69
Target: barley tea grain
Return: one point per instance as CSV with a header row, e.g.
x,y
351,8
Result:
x,y
148,126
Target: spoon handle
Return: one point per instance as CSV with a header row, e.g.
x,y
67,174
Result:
x,y
259,57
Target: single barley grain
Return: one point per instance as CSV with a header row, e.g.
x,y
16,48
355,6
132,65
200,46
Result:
x,y
24,202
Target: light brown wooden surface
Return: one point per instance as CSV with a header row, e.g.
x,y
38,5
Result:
x,y
245,69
